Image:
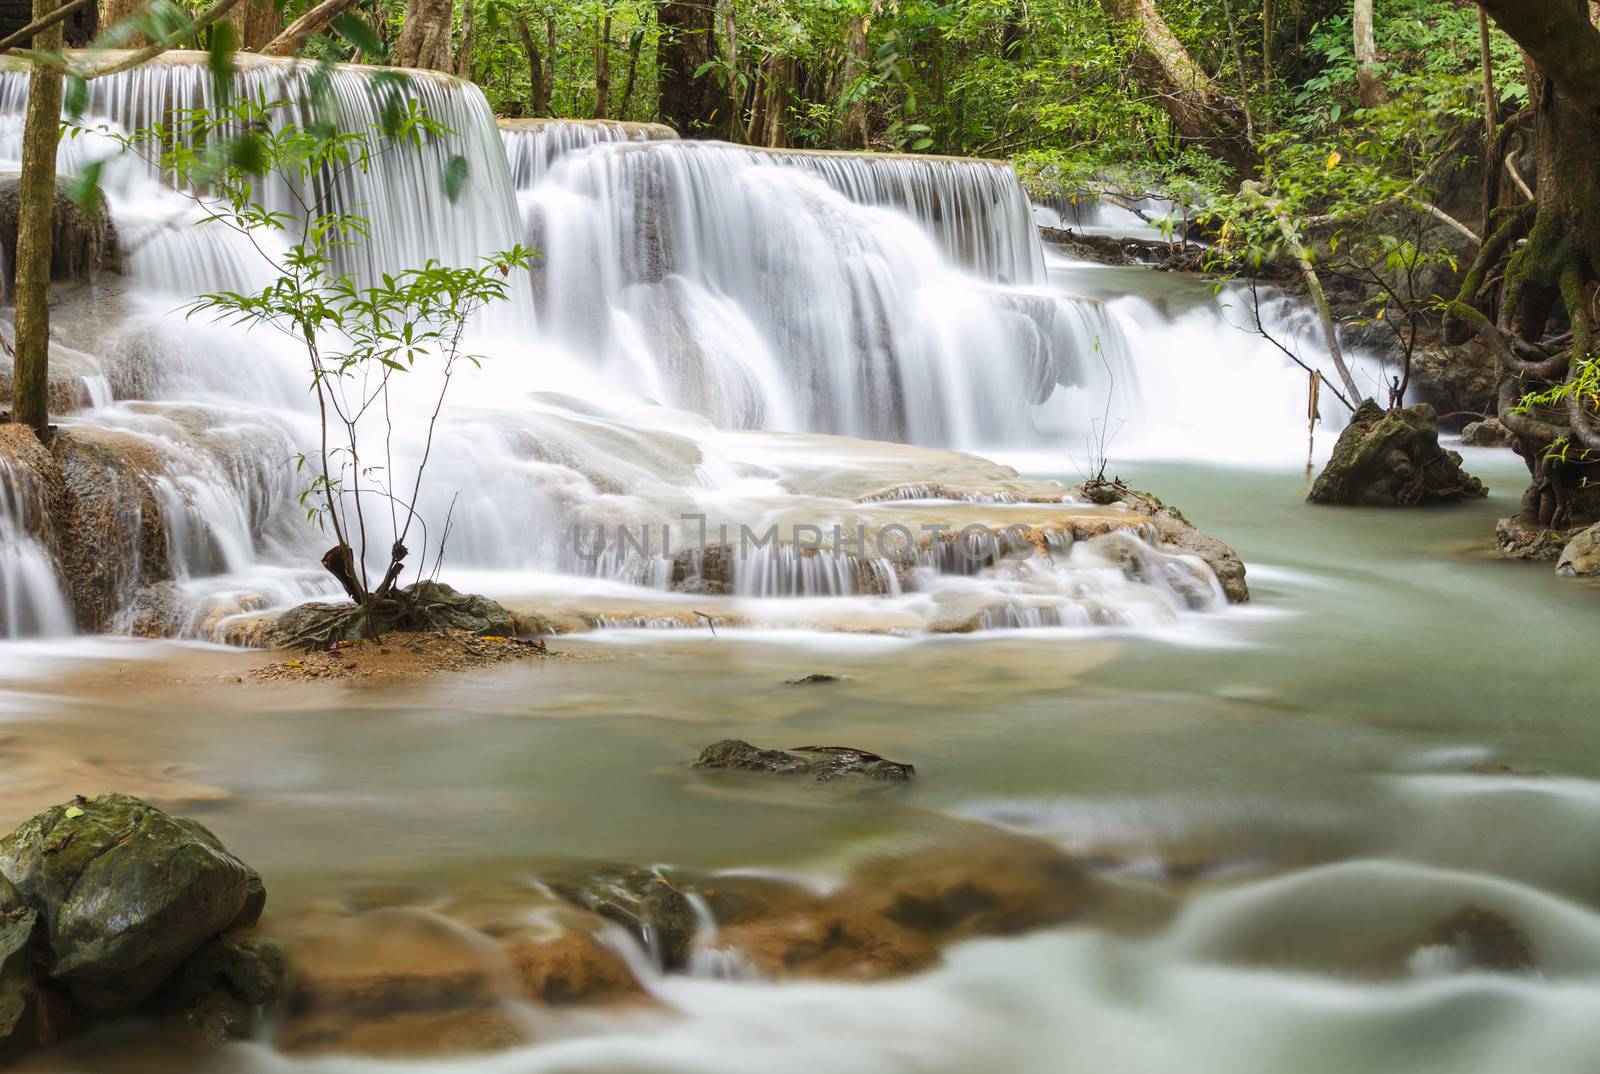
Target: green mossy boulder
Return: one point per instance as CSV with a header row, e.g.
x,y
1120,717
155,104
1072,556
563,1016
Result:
x,y
1392,458
125,894
18,991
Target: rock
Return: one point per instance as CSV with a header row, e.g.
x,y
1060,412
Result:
x,y
644,901
84,241
422,607
125,895
814,679
1580,558
226,989
824,763
1484,940
894,912
398,981
19,994
1174,530
1490,432
1453,379
1517,541
1393,459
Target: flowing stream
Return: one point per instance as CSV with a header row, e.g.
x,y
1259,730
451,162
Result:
x,y
1284,799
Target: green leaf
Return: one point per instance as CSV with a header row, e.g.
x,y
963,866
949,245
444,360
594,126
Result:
x,y
73,813
455,177
84,188
76,96
220,58
358,33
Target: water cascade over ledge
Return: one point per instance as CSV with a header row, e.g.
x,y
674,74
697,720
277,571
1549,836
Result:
x,y
685,291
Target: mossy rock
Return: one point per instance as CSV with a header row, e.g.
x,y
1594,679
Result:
x,y
125,895
420,607
1392,458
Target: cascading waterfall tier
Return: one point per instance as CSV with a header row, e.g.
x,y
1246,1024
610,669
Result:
x,y
866,295
405,196
532,145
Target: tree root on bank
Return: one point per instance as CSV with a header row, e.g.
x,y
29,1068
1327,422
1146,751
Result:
x,y
423,607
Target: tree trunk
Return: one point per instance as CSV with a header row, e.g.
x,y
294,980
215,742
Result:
x,y
857,133
255,23
1201,113
464,53
602,69
425,36
728,16
1369,82
113,12
687,42
298,32
635,43
35,224
538,91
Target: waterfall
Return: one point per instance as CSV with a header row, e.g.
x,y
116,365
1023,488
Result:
x,y
862,295
532,145
686,291
31,601
402,193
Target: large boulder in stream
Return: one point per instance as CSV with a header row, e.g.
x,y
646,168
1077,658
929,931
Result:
x,y
422,606
1392,458
124,894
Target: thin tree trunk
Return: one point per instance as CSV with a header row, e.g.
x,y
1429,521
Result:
x,y
301,30
464,53
549,59
425,36
635,43
856,132
1491,98
35,223
730,59
602,69
538,92
1369,82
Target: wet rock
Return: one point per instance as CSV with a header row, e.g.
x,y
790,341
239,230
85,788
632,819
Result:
x,y
226,989
894,913
823,763
1484,940
1175,531
125,895
1393,459
84,240
645,902
1490,432
1580,557
421,607
1517,541
397,981
828,942
1454,380
816,678
19,995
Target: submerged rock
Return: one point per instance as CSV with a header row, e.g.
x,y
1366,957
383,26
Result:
x,y
1483,940
125,895
822,763
1490,432
1393,459
225,991
816,678
422,607
1580,557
